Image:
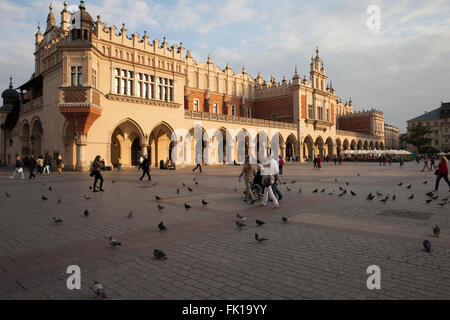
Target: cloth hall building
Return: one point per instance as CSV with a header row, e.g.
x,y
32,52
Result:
x,y
97,90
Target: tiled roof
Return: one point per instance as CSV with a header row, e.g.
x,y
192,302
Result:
x,y
432,115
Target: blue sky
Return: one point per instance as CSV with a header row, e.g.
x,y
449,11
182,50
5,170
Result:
x,y
402,69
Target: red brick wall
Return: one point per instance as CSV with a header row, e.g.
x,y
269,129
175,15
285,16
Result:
x,y
360,124
303,107
281,106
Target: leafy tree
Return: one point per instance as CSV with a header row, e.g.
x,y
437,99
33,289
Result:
x,y
417,136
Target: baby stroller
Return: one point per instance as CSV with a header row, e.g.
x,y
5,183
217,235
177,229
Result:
x,y
256,186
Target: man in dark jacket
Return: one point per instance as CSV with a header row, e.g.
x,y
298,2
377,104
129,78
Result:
x,y
31,165
145,168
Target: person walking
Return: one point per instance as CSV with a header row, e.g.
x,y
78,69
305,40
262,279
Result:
x,y
31,166
401,161
442,172
141,160
249,172
432,163
18,168
425,163
119,164
315,163
145,168
267,181
47,163
95,172
59,164
40,164
280,165
199,161
319,162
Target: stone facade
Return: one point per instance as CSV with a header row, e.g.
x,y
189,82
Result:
x,y
99,90
391,137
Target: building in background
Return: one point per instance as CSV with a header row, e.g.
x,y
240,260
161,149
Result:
x,y
391,137
438,120
98,90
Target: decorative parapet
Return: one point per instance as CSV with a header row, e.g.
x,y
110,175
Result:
x,y
357,135
136,100
238,120
33,105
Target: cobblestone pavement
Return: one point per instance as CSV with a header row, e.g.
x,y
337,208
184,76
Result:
x,y
322,253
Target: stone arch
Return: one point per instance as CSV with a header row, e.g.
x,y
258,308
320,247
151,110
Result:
x,y
36,136
25,138
160,143
359,145
346,144
366,145
381,145
353,144
330,147
68,137
308,147
291,143
262,145
277,150
126,139
198,144
377,146
227,150
243,142
319,147
338,146
371,145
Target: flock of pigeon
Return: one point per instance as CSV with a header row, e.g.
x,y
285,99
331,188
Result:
x,y
98,289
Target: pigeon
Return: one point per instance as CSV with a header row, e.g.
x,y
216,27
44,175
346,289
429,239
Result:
x,y
49,188
394,197
442,204
340,188
130,214
435,197
196,182
284,182
411,197
293,181
160,207
86,197
370,197
353,194
400,184
90,187
86,212
44,198
178,191
284,219
341,194
379,193
113,181
204,202
113,242
445,199
430,194
98,290
323,190
238,216
190,189
288,189
184,185
159,254
346,183
409,187
187,206
7,194
161,226
385,199
158,198
425,182
57,220
427,245
240,224
436,230
300,190
428,200
260,222
315,191
259,239
330,194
